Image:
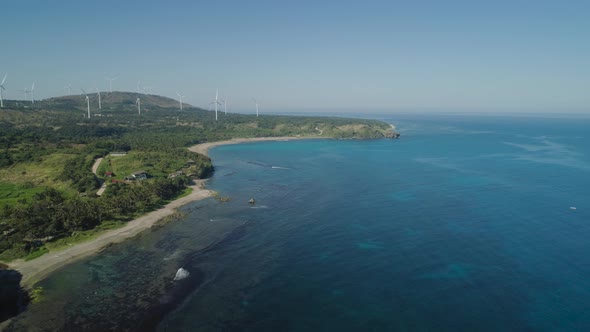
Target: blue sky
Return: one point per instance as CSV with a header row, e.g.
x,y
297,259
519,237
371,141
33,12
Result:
x,y
306,55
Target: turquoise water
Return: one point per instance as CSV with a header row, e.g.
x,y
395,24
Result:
x,y
464,224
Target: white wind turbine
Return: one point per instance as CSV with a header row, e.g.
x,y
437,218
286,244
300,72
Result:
x,y
138,102
256,102
99,102
69,88
30,92
180,101
33,93
2,88
111,79
87,102
26,91
147,90
224,100
216,102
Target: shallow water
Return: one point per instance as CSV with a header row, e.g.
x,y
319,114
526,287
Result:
x,y
463,224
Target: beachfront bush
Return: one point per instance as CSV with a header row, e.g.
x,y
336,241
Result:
x,y
49,215
78,171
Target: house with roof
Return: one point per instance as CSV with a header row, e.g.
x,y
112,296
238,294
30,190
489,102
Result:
x,y
177,173
139,175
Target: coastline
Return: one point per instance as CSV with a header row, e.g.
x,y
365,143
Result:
x,y
39,268
203,148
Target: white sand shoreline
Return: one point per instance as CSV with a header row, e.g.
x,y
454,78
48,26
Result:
x,y
203,148
39,268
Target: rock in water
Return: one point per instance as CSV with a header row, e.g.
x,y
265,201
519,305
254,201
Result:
x,y
181,274
252,201
13,298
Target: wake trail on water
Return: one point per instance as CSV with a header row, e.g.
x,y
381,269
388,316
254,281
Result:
x,y
257,163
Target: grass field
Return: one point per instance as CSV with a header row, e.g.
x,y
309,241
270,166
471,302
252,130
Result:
x,y
156,164
11,193
24,180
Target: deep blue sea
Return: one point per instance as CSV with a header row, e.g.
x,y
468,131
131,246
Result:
x,y
466,223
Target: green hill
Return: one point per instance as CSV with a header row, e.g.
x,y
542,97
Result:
x,y
111,101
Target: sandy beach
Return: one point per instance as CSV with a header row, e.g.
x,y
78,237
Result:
x,y
36,269
204,147
39,268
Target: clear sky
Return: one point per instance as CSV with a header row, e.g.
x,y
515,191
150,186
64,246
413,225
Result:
x,y
307,55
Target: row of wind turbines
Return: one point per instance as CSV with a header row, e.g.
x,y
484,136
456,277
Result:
x,y
31,92
217,103
28,92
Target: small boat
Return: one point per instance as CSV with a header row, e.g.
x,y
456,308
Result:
x,y
573,208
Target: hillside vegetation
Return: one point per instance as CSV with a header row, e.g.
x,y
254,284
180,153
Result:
x,y
47,189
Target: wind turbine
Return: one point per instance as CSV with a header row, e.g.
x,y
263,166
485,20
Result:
x,y
33,93
26,92
111,79
99,103
30,91
138,102
180,99
87,101
256,102
2,88
224,101
216,102
225,106
69,88
144,89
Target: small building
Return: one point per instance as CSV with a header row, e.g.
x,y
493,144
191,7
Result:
x,y
109,174
177,173
140,175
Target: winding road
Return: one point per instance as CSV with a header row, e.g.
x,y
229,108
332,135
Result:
x,y
103,185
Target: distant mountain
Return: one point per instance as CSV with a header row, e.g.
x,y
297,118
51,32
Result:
x,y
119,115
111,101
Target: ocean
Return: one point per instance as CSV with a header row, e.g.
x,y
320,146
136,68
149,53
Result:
x,y
466,223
